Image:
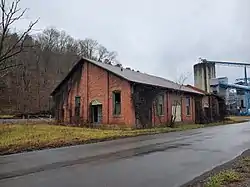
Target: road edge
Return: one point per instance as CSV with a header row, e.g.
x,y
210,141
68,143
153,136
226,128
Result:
x,y
216,170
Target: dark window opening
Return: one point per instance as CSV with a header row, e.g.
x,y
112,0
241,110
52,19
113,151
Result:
x,y
242,103
77,105
116,103
62,115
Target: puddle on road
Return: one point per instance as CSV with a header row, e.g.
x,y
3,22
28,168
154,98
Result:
x,y
159,148
139,152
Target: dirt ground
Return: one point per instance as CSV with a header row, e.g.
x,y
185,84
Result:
x,y
235,173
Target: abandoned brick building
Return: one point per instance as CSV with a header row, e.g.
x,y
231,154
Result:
x,y
209,107
100,93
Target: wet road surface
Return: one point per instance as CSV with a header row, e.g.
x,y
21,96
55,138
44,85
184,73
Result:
x,y
161,160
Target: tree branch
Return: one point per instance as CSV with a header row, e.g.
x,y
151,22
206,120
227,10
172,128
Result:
x,y
10,15
10,66
14,46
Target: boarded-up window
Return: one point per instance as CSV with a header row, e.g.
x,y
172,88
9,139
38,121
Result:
x,y
160,105
116,102
77,105
188,106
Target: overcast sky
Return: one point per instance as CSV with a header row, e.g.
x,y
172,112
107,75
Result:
x,y
160,37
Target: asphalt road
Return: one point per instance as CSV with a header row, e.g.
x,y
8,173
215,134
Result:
x,y
164,160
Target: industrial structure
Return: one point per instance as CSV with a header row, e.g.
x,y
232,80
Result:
x,y
203,73
236,95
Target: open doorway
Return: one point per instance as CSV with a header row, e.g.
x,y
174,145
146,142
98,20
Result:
x,y
96,112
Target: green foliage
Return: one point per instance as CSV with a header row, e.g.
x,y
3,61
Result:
x,y
223,178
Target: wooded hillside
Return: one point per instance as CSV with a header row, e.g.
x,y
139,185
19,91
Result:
x,y
26,87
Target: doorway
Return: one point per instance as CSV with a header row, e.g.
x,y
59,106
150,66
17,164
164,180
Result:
x,y
176,112
96,111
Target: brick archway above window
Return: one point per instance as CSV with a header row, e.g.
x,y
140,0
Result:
x,y
95,102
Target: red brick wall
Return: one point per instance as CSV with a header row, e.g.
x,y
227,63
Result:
x,y
98,84
169,98
185,117
127,110
158,119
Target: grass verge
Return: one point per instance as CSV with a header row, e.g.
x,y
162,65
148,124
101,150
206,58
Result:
x,y
224,178
16,138
234,173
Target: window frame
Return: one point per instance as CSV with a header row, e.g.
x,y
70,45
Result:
x,y
115,113
77,106
188,106
160,105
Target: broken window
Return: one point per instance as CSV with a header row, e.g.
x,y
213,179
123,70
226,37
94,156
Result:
x,y
160,105
188,105
77,105
117,103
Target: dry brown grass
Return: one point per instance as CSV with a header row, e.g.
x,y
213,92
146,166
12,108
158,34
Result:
x,y
17,138
26,137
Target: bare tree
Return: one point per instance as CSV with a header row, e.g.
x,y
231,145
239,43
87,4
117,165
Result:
x,y
49,39
88,48
42,67
91,49
8,49
103,55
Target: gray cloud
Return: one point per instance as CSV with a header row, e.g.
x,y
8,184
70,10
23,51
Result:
x,y
161,37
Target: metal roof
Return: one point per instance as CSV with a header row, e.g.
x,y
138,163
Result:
x,y
138,77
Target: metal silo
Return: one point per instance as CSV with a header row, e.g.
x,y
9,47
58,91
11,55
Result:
x,y
203,73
